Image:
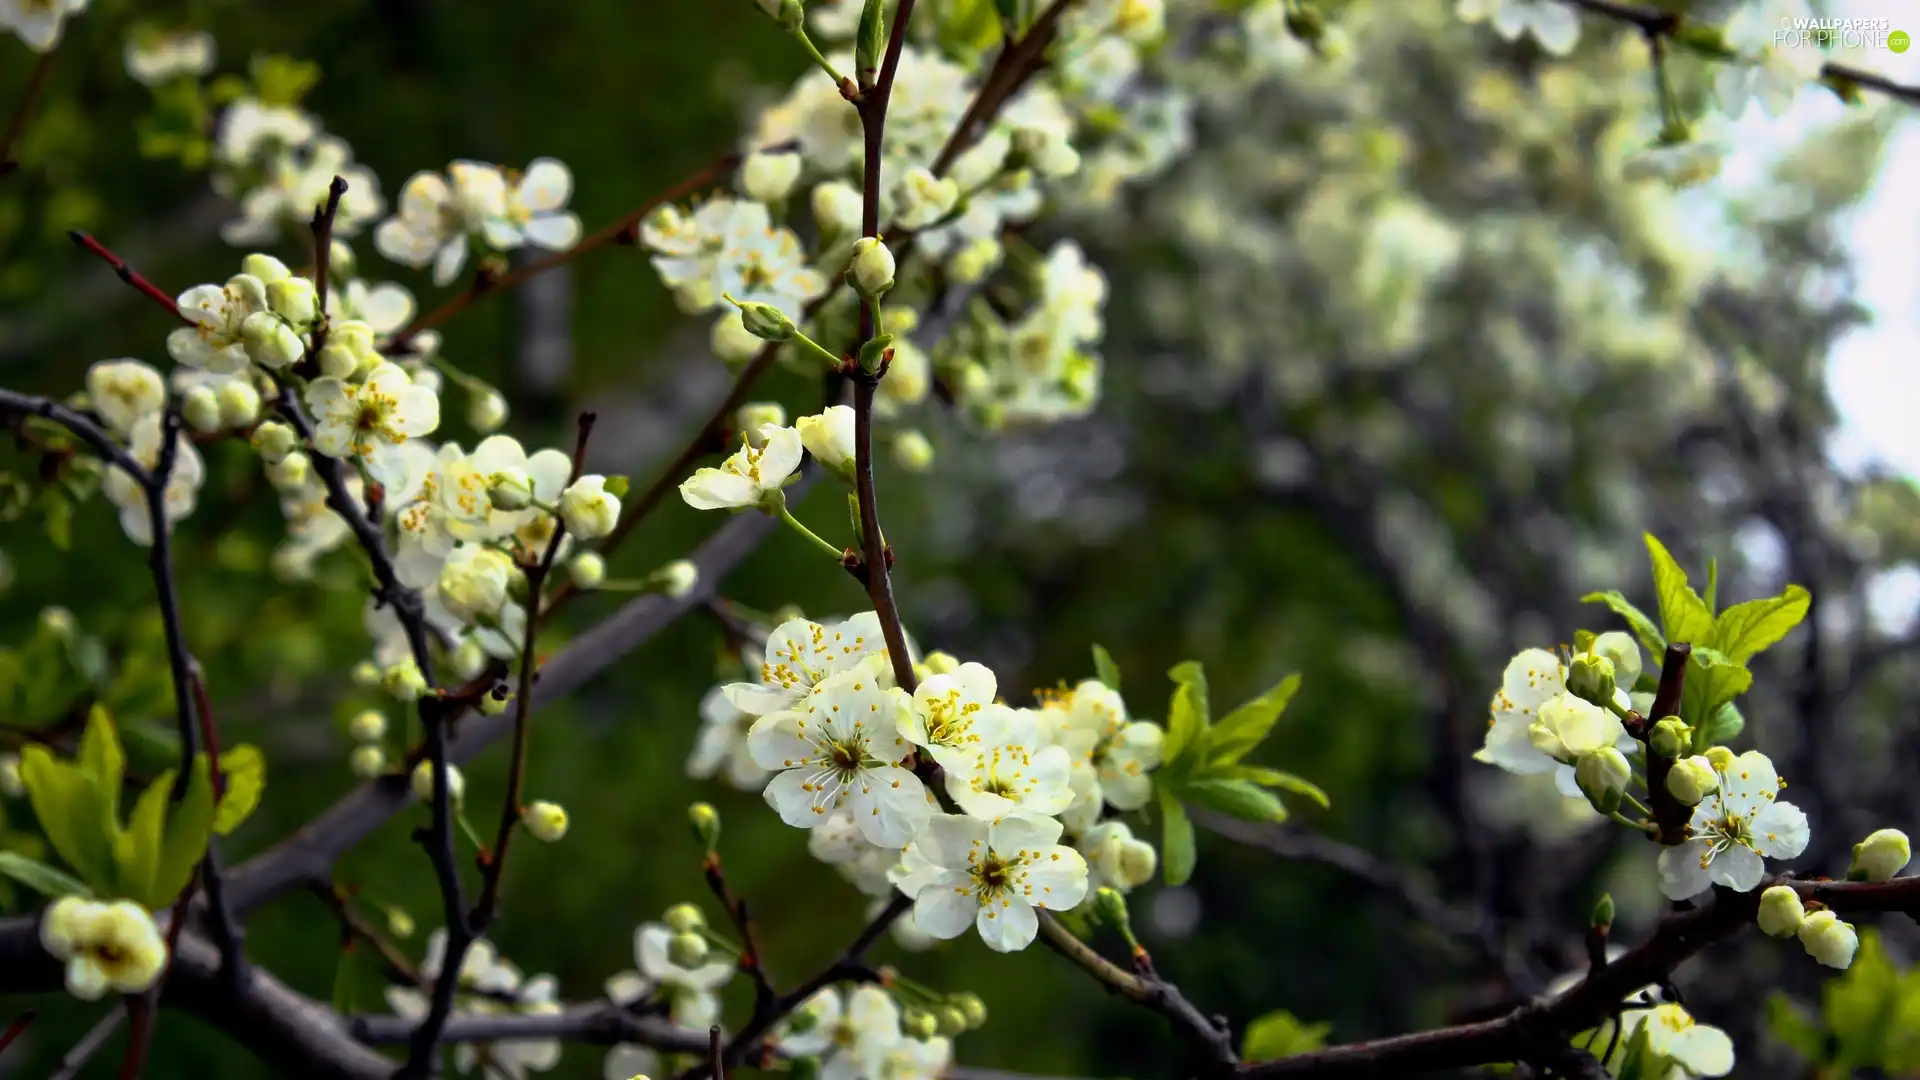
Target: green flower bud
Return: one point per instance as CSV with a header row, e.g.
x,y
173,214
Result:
x,y
1781,913
1880,856
1590,677
684,918
974,1008
706,825
687,950
495,701
1602,775
764,321
952,1021
1691,780
1670,737
1602,913
871,272
920,1024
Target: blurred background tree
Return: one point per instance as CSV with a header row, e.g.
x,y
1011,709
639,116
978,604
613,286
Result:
x,y
1398,367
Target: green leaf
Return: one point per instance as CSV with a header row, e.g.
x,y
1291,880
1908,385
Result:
x,y
1281,1034
1176,839
1105,668
1274,778
102,759
1683,615
189,827
67,804
1240,798
1745,630
1247,726
136,850
1726,725
244,769
1712,681
617,486
39,877
1187,716
870,40
1642,626
1713,583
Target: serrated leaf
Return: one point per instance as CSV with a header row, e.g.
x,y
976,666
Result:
x,y
189,827
1281,1034
1745,630
1187,715
244,771
40,877
66,804
1637,620
1246,727
1684,616
1176,839
1239,798
1104,667
1274,778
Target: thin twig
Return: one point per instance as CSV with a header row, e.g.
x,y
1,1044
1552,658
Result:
x,y
322,228
129,275
82,1052
17,125
751,961
354,927
15,1029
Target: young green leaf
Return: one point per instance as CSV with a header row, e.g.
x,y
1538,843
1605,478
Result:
x,y
1794,1027
1712,681
40,877
102,759
67,804
189,827
1711,596
1187,716
137,848
1744,630
1247,726
1684,616
1176,839
1105,668
244,769
1726,725
1281,1034
1637,620
870,41
1274,778
1239,798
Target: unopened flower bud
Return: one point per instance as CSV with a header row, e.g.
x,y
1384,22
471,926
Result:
x,y
239,403
1829,940
510,489
200,408
486,412
587,569
836,208
684,918
1781,912
367,761
340,258
1880,856
273,441
365,673
545,821
11,785
756,415
293,299
264,268
769,177
706,824
766,322
919,1024
951,1021
1602,917
495,701
368,726
872,269
1137,862
1720,758
468,660
1111,908
687,950
732,342
399,923
291,471
694,297
676,579
1602,775
1692,779
912,451
270,342
336,361
972,1007
57,621
1670,737
1590,678
404,681
1048,152
423,782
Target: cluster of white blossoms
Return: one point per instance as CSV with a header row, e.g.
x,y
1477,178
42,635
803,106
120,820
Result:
x,y
440,218
489,985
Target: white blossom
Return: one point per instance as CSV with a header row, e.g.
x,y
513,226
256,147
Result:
x,y
371,420
722,744
105,946
1733,830
752,477
849,1033
183,482
690,993
995,877
124,392
841,747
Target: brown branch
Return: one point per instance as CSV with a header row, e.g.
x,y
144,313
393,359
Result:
x,y
1210,1036
322,227
751,961
1668,813
17,125
128,274
353,927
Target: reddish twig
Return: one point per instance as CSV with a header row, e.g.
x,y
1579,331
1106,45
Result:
x,y
751,961
129,275
17,125
14,1029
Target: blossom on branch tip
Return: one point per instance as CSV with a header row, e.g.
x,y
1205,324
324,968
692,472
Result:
x,y
1781,912
872,269
474,582
1883,854
954,715
367,761
995,876
752,477
371,420
545,821
848,1032
1733,830
1673,1033
588,508
1115,859
1828,939
368,725
105,946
